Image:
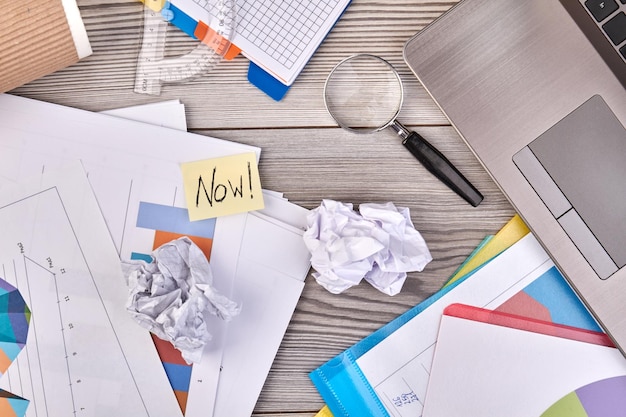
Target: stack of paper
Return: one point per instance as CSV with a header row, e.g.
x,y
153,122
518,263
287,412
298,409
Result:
x,y
389,372
133,170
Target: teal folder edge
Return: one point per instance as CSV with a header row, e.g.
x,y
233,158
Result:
x,y
344,387
341,382
257,76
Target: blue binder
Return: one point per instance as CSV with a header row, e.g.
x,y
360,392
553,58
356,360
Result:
x,y
345,388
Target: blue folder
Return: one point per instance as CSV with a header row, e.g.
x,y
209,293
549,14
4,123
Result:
x,y
345,388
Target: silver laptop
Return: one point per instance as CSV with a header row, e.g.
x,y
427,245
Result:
x,y
537,89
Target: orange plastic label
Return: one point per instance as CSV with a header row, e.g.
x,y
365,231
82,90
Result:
x,y
218,43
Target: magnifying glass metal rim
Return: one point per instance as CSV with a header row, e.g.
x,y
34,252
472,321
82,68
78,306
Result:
x,y
433,160
391,121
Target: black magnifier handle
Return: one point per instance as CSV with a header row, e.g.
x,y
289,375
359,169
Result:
x,y
438,165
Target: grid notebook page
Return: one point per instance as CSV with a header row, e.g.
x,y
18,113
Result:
x,y
281,35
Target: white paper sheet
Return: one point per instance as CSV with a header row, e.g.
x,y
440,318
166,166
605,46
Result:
x,y
407,359
488,370
270,310
272,266
84,355
128,163
170,113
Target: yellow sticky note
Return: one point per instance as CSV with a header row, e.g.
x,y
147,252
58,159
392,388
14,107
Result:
x,y
222,186
155,5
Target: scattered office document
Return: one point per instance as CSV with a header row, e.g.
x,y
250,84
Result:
x,y
169,113
269,282
127,162
387,373
378,244
493,364
135,174
134,171
83,354
270,310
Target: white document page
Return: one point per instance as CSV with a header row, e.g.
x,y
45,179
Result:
x,y
84,355
488,370
270,310
272,266
400,364
129,163
204,375
279,36
169,113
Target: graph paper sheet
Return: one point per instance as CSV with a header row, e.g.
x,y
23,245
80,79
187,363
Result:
x,y
279,36
84,355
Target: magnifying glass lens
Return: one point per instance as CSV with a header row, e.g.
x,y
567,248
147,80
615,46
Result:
x,y
363,93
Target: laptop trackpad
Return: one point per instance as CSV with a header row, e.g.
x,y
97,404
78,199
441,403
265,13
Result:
x,y
578,168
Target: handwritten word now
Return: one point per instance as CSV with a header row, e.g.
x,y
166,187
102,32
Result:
x,y
222,186
219,192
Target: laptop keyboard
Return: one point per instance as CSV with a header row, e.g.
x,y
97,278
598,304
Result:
x,y
610,16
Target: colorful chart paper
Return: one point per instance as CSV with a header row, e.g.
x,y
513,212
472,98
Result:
x,y
489,363
169,223
14,321
604,398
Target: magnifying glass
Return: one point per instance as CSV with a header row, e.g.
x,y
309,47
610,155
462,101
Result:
x,y
364,94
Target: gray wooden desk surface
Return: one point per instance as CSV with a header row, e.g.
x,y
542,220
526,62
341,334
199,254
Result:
x,y
309,159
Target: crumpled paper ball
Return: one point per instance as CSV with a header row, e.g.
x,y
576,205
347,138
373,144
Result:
x,y
379,244
171,295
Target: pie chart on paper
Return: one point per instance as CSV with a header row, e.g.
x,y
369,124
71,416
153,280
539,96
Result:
x,y
604,398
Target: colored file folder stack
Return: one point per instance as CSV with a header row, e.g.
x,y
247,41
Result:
x,y
390,371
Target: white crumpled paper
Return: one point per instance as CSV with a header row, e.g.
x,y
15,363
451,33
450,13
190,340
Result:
x,y
171,295
380,244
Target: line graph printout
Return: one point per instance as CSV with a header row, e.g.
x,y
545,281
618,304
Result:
x,y
84,355
127,163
